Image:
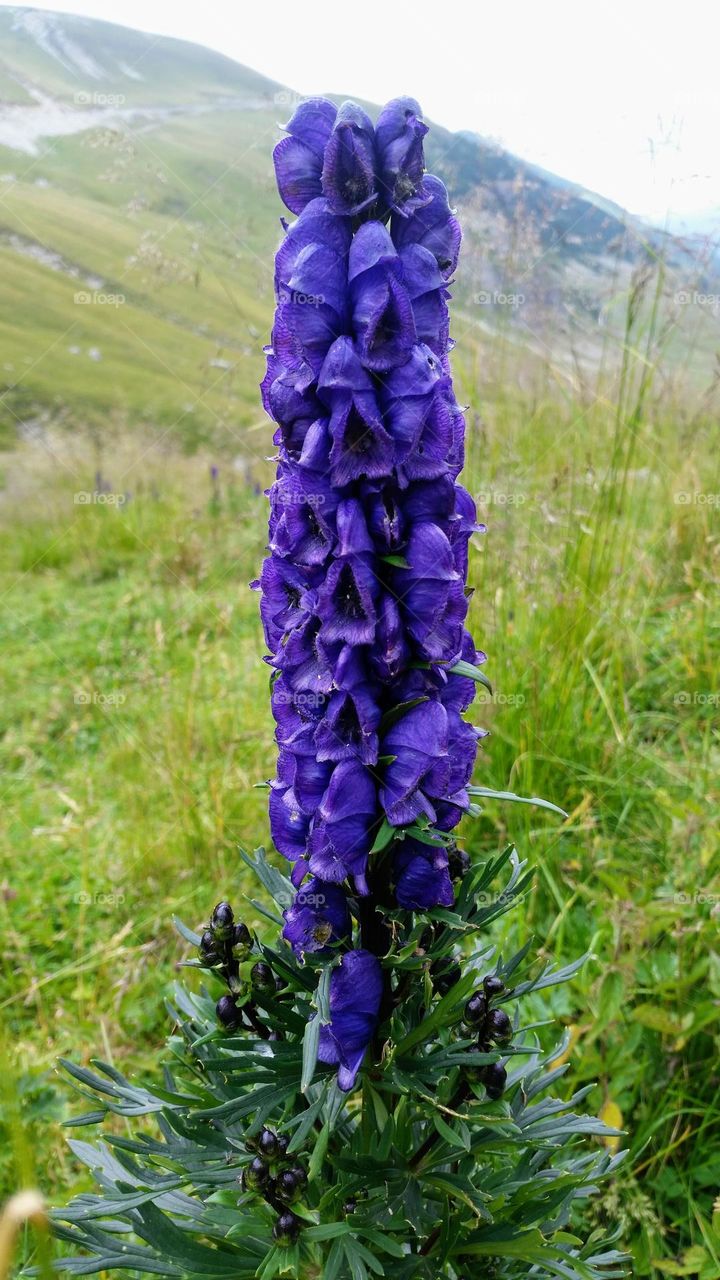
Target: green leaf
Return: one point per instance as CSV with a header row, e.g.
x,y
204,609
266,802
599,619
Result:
x,y
392,716
488,794
384,837
188,934
472,672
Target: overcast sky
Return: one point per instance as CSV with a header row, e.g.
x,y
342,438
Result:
x,y
622,97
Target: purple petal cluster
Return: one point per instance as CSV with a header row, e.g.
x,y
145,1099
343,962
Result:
x,y
364,595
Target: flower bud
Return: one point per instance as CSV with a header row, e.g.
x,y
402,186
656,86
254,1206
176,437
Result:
x,y
494,1078
350,1206
493,986
255,1175
262,978
227,1011
287,1186
299,1174
241,937
458,863
499,1026
282,1145
268,1144
286,1229
221,922
475,1010
206,950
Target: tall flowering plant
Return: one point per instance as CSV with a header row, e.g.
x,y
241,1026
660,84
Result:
x,y
363,1099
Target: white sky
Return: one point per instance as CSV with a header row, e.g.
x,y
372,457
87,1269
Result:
x,y
622,97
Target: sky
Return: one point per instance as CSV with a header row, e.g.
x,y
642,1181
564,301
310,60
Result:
x,y
621,97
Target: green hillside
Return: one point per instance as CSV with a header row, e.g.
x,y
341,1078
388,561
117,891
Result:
x,y
137,233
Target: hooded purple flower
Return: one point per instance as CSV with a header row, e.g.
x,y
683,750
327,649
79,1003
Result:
x,y
348,173
319,916
355,993
382,313
399,138
298,159
340,839
422,878
418,771
434,226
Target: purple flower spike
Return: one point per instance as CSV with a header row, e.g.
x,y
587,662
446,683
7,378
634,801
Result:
x,y
364,591
355,994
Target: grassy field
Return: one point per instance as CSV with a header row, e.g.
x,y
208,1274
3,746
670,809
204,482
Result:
x,y
136,719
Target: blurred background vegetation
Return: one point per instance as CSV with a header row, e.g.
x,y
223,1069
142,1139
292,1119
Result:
x,y
136,256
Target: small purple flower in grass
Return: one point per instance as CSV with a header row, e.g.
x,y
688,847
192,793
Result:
x,y
319,916
355,993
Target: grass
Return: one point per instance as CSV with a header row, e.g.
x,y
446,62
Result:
x,y
135,721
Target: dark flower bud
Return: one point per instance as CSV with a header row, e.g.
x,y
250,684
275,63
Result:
x,y
275,1035
221,922
262,977
268,1143
255,1175
499,1026
280,983
286,1229
493,986
206,950
227,1011
282,1143
447,978
241,936
495,1079
475,1010
458,864
287,1186
350,1206
299,1174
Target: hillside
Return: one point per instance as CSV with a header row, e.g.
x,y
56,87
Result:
x,y
138,217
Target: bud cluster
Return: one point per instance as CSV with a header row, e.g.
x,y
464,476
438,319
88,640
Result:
x,y
280,1179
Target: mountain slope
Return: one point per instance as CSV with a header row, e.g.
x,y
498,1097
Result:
x,y
138,217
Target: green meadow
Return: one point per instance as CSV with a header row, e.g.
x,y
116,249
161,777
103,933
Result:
x,y
136,723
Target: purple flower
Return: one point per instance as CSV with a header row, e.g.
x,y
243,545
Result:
x,y
422,878
340,839
318,917
348,173
419,768
399,136
298,159
434,226
355,993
